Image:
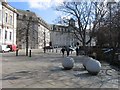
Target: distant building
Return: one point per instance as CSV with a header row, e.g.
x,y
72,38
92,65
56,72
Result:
x,y
7,24
0,22
64,35
37,28
27,21
61,36
43,33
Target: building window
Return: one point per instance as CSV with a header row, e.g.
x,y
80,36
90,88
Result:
x,y
11,19
0,33
10,35
5,34
6,17
0,15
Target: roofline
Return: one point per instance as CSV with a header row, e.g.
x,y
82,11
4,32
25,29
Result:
x,y
9,7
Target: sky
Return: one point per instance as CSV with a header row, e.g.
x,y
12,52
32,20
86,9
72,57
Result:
x,y
43,8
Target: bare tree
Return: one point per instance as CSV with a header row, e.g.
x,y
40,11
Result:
x,y
111,26
86,14
27,33
108,34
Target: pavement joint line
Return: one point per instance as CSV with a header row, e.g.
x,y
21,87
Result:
x,y
48,68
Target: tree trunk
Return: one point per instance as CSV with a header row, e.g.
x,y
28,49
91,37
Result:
x,y
84,46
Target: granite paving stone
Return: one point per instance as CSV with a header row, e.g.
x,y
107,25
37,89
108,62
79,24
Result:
x,y
44,70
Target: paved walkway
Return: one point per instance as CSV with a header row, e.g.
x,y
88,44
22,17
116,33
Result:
x,y
46,71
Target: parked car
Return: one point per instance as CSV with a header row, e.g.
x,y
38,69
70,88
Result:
x,y
4,48
13,47
48,47
108,53
71,49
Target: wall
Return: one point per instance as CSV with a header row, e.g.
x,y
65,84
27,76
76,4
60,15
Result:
x,y
41,36
9,26
0,23
61,37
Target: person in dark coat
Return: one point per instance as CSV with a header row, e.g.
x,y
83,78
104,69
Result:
x,y
68,51
77,51
63,51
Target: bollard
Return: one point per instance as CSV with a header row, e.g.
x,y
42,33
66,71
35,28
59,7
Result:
x,y
16,52
68,63
44,50
30,53
52,50
56,50
119,57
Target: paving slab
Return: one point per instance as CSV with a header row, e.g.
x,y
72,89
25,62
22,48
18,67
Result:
x,y
46,71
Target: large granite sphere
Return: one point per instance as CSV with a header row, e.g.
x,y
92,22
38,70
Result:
x,y
85,60
68,63
93,66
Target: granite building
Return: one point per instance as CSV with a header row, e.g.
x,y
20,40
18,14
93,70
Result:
x,y
8,23
37,29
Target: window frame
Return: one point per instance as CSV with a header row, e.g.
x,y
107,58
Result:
x,y
0,33
10,36
11,19
5,34
6,17
1,15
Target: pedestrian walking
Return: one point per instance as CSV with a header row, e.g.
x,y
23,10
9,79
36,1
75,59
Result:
x,y
68,51
63,51
77,51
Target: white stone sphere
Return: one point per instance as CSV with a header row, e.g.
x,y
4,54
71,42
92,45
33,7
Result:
x,y
68,63
85,60
93,66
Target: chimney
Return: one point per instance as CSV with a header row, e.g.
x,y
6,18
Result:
x,y
28,10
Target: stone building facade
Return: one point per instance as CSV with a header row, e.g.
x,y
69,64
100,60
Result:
x,y
62,36
38,30
8,23
43,33
27,22
0,22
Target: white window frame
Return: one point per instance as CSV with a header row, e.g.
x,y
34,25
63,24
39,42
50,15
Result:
x,y
5,34
11,18
0,33
6,17
10,36
1,15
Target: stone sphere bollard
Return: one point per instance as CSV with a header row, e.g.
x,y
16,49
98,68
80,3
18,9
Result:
x,y
68,63
85,60
93,66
